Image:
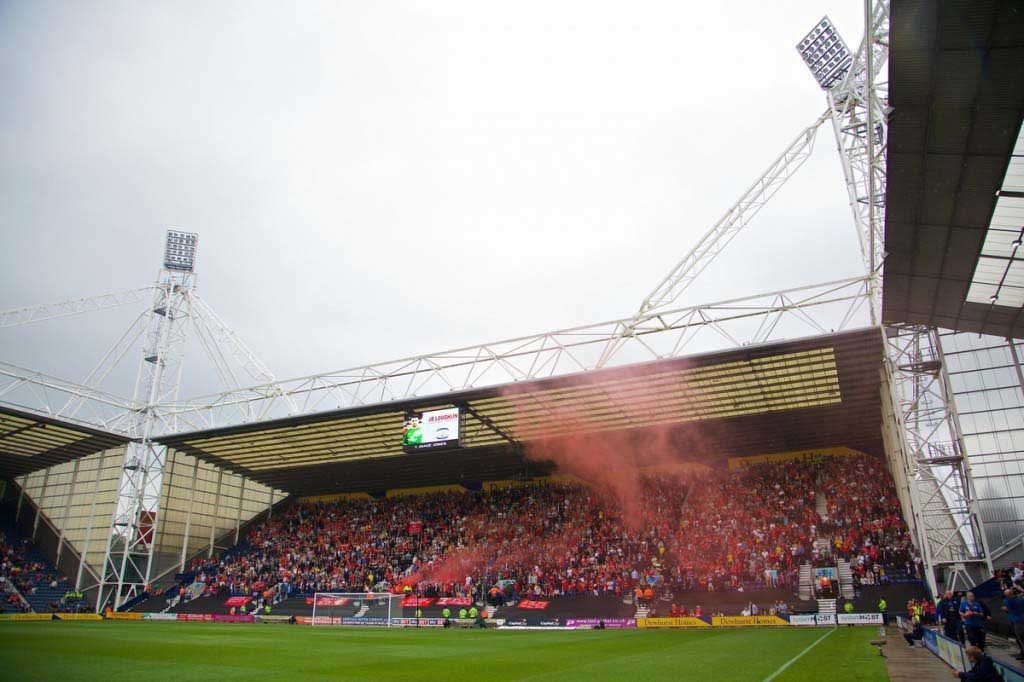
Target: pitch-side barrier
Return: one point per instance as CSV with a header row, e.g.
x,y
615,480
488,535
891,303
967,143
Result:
x,y
799,620
954,654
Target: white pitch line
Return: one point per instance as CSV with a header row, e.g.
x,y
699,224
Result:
x,y
797,657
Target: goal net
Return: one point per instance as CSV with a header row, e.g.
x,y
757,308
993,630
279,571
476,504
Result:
x,y
355,608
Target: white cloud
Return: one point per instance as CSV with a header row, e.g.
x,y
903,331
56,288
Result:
x,y
371,181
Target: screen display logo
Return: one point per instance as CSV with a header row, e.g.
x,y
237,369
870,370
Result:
x,y
431,430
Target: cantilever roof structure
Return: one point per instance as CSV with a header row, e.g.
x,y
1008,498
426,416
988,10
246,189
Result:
x,y
815,392
955,193
29,442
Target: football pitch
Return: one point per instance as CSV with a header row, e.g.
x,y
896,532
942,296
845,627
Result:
x,y
209,651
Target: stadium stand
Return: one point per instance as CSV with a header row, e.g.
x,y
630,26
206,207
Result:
x,y
864,522
36,583
721,539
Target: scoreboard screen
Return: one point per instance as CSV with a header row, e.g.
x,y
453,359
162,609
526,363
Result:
x,y
431,430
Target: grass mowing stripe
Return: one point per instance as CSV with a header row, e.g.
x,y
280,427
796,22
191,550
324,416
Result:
x,y
67,652
798,656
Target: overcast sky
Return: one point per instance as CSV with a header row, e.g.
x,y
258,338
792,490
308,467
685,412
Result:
x,y
374,180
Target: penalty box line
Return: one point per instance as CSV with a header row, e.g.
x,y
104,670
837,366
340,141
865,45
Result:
x,y
798,656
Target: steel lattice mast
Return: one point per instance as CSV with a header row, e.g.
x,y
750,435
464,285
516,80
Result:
x,y
75,306
737,217
128,559
160,334
921,425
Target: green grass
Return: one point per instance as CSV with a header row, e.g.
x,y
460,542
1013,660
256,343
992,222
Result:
x,y
207,651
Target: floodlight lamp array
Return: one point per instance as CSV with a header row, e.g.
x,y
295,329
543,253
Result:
x,y
825,53
180,251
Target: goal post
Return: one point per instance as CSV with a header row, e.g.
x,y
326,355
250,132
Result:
x,y
355,608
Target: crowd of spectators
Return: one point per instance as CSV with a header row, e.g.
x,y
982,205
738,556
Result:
x,y
721,530
22,577
750,528
1011,578
530,540
864,522
922,609
11,562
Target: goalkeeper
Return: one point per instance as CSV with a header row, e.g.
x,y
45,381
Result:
x,y
412,432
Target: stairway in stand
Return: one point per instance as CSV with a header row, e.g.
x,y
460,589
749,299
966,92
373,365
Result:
x,y
821,503
805,582
845,579
826,607
642,611
823,545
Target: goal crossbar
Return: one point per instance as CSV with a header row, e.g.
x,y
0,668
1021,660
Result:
x,y
355,608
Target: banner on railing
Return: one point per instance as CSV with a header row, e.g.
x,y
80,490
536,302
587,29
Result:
x,y
79,616
126,615
813,620
952,652
274,619
418,622
747,621
413,602
609,623
159,616
328,600
221,618
26,616
684,622
455,601
364,621
860,619
948,650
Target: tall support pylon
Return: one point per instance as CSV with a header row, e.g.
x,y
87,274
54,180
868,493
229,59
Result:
x,y
716,239
928,459
922,433
128,560
857,105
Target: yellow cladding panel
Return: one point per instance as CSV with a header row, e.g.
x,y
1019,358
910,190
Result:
x,y
775,383
26,437
740,462
425,490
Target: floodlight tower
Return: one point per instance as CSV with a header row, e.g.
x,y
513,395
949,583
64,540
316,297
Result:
x,y
857,105
921,425
128,560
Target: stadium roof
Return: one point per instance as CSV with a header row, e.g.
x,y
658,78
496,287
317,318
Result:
x,y
955,194
815,392
30,442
